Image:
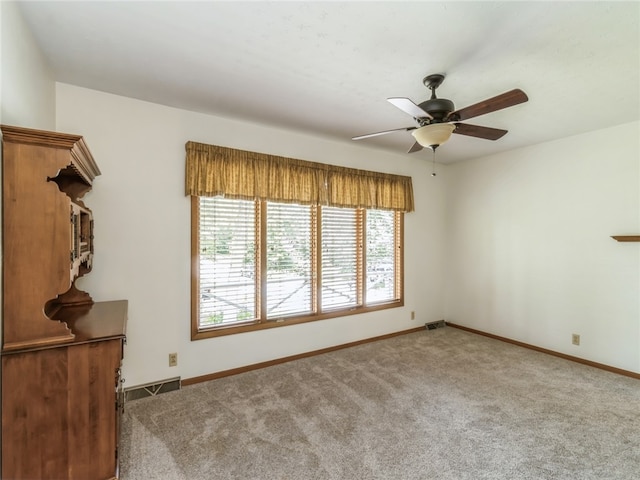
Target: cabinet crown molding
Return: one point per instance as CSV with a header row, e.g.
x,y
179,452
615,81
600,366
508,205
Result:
x,y
83,161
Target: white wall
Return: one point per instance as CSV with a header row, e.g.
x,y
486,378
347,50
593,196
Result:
x,y
528,253
27,87
529,250
142,229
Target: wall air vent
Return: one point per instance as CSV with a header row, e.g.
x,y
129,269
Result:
x,y
151,389
434,325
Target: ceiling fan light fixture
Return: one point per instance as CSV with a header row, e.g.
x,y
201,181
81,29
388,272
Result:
x,y
434,134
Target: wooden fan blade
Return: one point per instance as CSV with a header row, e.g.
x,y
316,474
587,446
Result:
x,y
407,106
368,135
416,147
487,133
505,100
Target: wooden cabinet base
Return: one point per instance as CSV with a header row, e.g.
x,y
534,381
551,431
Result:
x,y
60,405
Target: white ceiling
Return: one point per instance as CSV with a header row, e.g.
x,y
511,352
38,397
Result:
x,y
326,68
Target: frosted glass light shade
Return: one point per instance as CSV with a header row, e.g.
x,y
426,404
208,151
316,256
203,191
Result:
x,y
434,134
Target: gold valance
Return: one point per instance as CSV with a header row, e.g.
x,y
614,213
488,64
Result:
x,y
214,170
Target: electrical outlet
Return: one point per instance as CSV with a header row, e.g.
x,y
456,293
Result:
x,y
173,359
413,315
575,339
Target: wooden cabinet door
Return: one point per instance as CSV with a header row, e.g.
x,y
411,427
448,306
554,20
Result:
x,y
59,412
92,409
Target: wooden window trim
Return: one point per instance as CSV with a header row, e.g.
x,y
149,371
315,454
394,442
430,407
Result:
x,y
198,333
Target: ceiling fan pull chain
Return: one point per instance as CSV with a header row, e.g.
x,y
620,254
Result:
x,y
433,167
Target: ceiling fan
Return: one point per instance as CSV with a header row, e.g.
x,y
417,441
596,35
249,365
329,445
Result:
x,y
437,118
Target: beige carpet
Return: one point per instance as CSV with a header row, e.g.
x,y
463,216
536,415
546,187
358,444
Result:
x,y
439,404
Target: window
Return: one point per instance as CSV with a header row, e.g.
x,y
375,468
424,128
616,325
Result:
x,y
340,257
263,264
227,279
289,269
278,241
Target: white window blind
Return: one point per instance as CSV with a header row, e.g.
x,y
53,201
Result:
x,y
227,261
288,250
380,256
339,257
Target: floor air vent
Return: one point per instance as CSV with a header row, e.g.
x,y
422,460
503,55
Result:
x,y
434,325
151,389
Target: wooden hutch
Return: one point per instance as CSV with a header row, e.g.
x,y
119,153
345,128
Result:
x,y
61,352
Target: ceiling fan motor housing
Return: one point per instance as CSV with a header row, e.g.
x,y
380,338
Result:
x,y
438,108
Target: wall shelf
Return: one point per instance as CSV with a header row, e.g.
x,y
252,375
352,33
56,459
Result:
x,y
626,238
